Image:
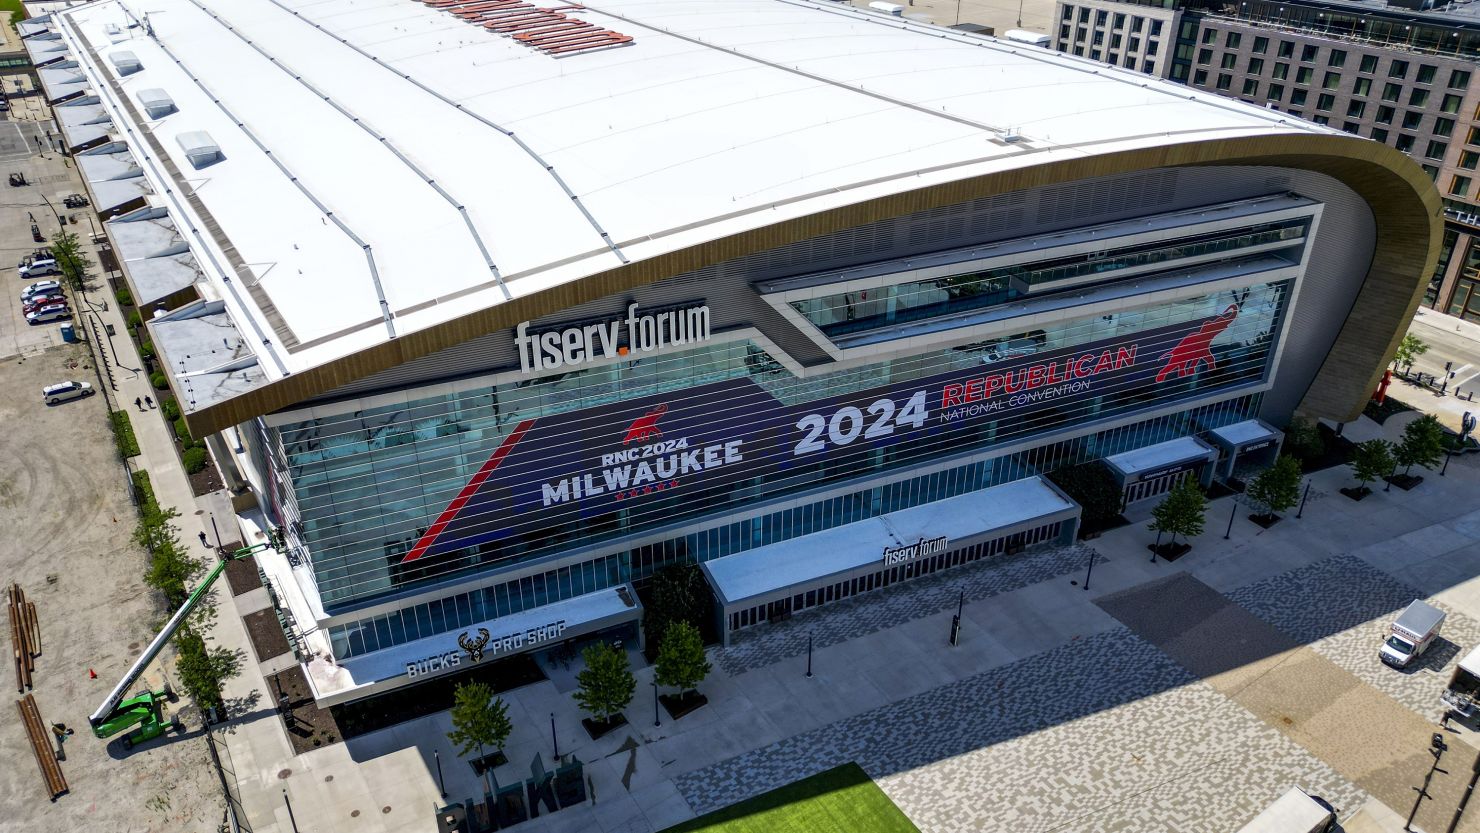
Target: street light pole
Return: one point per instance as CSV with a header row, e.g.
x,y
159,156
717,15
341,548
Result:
x,y
1091,570
1232,511
656,721
1020,14
809,656
437,756
1302,501
554,739
289,805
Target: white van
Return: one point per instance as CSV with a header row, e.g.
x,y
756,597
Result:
x,y
1294,812
1030,38
887,8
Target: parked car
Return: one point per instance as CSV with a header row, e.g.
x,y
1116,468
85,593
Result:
x,y
39,301
40,288
62,391
37,265
54,312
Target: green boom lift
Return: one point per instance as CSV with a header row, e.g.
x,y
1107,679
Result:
x,y
146,709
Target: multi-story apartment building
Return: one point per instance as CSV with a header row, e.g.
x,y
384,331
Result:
x,y
1401,76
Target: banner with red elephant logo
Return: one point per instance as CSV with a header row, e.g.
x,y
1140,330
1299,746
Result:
x,y
710,440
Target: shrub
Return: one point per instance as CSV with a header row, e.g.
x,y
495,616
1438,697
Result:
x,y
159,381
124,298
195,459
677,593
135,321
146,350
171,409
182,433
143,491
123,434
1303,439
1093,487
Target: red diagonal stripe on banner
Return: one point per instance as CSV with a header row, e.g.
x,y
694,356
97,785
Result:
x,y
468,491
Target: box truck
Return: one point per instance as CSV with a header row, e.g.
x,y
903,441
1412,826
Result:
x,y
1411,633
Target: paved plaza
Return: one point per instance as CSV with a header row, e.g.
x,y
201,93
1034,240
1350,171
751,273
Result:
x,y
1167,697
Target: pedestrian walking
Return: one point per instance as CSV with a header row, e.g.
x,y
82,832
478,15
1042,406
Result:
x,y
203,540
138,403
149,401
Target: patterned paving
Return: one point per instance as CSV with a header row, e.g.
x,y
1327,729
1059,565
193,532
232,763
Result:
x,y
1104,733
867,613
1343,607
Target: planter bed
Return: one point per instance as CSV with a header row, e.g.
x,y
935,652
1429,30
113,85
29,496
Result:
x,y
1405,481
678,706
598,729
1169,552
1265,521
1356,494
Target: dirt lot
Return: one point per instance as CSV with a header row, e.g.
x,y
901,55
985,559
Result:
x,y
67,517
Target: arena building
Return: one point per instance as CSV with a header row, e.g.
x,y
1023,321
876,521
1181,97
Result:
x,y
494,310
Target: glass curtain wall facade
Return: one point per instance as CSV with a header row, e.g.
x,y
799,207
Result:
x,y
461,610
357,490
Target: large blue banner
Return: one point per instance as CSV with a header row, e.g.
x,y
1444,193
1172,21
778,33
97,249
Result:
x,y
572,467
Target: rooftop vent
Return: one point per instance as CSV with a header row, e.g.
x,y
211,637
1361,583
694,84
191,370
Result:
x,y
126,62
157,103
199,148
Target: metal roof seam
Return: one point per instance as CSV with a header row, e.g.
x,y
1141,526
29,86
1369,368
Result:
x,y
391,146
297,183
590,218
170,194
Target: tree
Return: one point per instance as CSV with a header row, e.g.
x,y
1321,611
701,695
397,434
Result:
x,y
1409,349
1278,487
1303,439
1093,487
479,719
681,661
1371,460
203,669
1422,444
70,259
678,593
171,567
607,684
1181,512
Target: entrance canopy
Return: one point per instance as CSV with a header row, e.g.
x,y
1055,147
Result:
x,y
443,653
1161,459
1246,435
780,569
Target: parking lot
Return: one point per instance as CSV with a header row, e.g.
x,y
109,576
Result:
x,y
68,519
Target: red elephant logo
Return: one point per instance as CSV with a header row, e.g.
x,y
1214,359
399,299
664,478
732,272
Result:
x,y
1194,348
645,427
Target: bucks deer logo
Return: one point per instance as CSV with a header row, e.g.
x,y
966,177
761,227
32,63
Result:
x,y
474,647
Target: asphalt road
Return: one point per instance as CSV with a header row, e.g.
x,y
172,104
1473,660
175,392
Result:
x,y
1460,348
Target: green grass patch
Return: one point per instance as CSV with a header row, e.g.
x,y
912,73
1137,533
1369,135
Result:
x,y
841,800
123,434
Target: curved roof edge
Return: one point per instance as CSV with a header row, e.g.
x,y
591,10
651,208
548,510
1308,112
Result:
x,y
1405,205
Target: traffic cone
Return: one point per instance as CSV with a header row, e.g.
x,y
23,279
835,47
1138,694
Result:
x,y
91,674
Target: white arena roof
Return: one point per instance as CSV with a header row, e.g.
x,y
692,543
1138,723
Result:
x,y
385,166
